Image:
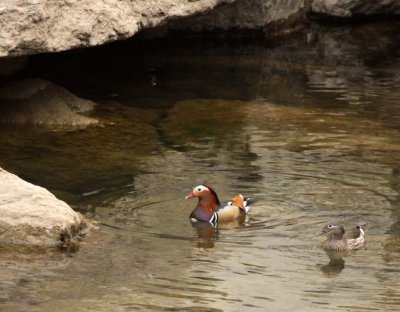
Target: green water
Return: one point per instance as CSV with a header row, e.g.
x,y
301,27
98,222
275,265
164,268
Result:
x,y
310,127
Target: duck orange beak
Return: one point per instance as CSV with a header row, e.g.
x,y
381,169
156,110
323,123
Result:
x,y
190,195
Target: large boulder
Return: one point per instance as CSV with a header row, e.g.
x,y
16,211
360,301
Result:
x,y
36,101
31,216
34,26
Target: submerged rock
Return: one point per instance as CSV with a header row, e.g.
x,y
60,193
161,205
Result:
x,y
31,215
36,101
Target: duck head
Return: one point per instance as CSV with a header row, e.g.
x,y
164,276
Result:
x,y
198,191
334,230
204,193
208,202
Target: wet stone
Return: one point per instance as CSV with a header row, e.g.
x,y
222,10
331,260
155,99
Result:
x,y
31,215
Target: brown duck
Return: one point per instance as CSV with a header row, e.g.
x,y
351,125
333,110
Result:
x,y
339,239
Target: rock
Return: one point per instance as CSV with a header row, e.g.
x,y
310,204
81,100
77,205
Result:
x,y
31,215
34,26
244,14
351,8
36,101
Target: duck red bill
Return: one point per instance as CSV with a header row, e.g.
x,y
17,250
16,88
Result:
x,y
190,195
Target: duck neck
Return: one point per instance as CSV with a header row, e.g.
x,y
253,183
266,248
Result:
x,y
205,209
207,204
335,241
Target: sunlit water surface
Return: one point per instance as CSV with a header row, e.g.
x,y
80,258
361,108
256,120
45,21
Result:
x,y
310,128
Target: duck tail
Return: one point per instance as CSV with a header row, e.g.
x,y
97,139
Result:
x,y
363,225
247,202
363,228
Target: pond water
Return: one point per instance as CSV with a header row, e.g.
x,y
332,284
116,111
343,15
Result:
x,y
309,127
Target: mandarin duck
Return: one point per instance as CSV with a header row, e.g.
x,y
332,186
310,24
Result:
x,y
209,208
338,239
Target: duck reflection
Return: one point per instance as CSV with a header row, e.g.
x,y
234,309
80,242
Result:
x,y
69,247
336,263
208,232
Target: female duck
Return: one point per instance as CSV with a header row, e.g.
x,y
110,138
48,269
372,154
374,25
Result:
x,y
209,208
338,239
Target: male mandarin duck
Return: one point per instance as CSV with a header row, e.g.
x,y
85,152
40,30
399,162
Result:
x,y
209,208
338,239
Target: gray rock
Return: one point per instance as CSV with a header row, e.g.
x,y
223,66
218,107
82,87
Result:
x,y
31,216
350,8
34,26
244,14
36,101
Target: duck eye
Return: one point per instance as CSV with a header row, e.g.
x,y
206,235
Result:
x,y
330,226
199,189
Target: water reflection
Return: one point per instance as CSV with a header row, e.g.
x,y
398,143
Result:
x,y
310,128
207,233
335,265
